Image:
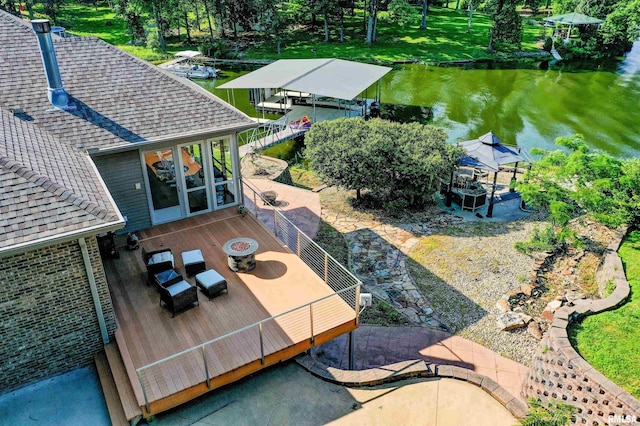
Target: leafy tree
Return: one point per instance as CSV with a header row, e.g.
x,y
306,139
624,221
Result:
x,y
397,163
620,28
400,11
131,11
507,24
273,19
574,180
51,8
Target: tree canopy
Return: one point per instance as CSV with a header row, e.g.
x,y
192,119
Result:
x,y
398,163
575,180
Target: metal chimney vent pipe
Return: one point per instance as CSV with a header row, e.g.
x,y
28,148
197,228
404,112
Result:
x,y
57,95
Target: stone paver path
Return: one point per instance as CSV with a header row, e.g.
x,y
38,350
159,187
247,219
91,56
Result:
x,y
378,255
376,346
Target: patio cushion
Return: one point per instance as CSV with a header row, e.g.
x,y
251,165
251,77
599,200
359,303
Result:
x,y
165,256
178,288
211,283
193,262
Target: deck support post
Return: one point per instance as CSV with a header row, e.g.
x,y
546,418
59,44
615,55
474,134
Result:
x,y
261,344
144,392
206,368
313,337
351,355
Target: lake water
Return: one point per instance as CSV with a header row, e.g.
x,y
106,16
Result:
x,y
529,106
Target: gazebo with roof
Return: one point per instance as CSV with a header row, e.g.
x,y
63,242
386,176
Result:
x,y
489,153
571,20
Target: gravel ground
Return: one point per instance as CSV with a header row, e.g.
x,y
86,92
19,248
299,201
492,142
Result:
x,y
464,270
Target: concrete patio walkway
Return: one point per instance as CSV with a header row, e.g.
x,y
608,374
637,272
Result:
x,y
376,346
288,395
300,206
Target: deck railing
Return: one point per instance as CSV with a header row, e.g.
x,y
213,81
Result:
x,y
210,359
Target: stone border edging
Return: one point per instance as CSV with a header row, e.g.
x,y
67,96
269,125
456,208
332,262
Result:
x,y
407,370
558,342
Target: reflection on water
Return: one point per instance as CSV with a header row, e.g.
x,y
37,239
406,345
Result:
x,y
530,106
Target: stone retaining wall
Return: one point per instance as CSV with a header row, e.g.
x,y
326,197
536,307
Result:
x,y
559,372
411,369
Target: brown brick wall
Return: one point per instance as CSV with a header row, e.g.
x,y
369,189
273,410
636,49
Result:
x,y
559,372
48,323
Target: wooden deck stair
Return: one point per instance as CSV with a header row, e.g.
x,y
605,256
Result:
x,y
121,400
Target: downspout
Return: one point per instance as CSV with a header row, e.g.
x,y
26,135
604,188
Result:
x,y
94,290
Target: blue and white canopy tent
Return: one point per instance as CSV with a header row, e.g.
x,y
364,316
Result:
x,y
488,153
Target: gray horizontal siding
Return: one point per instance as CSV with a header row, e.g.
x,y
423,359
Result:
x,y
121,172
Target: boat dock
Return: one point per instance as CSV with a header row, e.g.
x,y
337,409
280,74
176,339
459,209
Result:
x,y
271,132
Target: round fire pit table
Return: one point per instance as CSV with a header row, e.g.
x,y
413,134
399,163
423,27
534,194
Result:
x,y
241,254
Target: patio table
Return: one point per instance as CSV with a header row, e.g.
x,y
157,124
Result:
x,y
241,254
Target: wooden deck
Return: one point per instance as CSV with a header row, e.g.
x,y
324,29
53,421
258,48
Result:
x,y
279,283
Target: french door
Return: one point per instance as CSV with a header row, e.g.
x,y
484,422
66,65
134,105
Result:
x,y
189,179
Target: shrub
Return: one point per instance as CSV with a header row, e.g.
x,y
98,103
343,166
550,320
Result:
x,y
552,413
545,239
548,44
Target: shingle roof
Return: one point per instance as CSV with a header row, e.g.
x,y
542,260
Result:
x,y
120,99
47,188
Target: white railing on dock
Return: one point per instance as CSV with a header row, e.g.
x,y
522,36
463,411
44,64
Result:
x,y
210,359
266,134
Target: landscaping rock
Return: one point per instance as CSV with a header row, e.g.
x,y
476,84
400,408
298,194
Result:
x,y
553,305
534,330
503,305
527,289
571,296
510,321
547,314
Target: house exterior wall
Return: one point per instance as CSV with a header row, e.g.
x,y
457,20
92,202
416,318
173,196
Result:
x,y
121,172
48,322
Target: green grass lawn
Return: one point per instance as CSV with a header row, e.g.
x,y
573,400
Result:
x,y
610,341
102,22
445,39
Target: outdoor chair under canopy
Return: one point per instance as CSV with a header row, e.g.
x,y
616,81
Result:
x,y
488,153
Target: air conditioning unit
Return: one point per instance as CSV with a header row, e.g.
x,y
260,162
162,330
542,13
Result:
x,y
365,300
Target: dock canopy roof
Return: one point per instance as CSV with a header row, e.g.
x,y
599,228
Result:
x,y
574,18
334,78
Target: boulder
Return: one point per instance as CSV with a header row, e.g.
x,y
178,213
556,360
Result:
x,y
510,321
